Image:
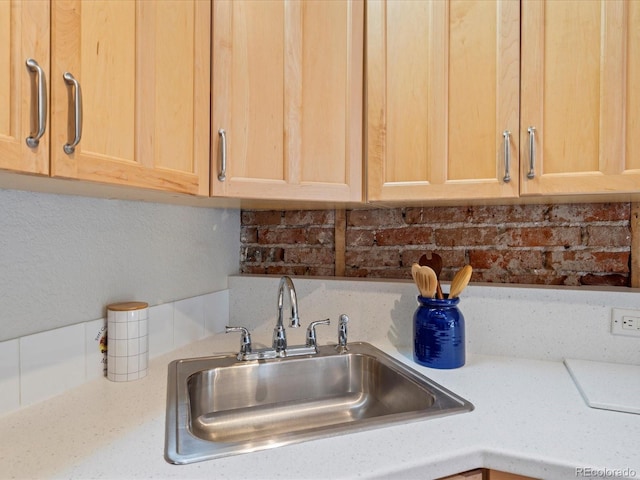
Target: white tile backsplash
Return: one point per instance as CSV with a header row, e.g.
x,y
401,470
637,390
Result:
x,y
51,362
216,312
38,366
9,375
160,329
188,321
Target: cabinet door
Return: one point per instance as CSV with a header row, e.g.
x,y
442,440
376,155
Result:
x,y
497,475
472,475
443,83
143,71
581,93
24,34
287,91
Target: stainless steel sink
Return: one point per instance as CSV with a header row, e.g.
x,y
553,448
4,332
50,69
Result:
x,y
219,406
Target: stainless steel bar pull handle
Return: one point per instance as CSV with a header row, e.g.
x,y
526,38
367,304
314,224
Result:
x,y
41,84
70,80
532,152
222,173
507,157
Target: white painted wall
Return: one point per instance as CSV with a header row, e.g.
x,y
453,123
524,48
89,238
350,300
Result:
x,y
64,258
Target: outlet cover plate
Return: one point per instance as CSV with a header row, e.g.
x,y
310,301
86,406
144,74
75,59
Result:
x,y
625,322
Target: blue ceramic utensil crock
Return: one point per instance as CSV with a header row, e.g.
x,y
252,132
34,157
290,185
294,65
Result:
x,y
438,333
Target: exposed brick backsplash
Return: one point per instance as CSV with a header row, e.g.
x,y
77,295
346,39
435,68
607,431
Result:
x,y
572,244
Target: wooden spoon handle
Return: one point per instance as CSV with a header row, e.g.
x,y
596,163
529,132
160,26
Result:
x,y
460,281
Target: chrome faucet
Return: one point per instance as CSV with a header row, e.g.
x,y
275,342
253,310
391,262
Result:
x,y
279,347
279,336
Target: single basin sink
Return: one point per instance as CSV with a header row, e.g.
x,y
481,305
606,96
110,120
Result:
x,y
219,406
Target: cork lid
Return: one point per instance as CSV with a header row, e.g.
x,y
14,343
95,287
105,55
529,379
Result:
x,y
127,306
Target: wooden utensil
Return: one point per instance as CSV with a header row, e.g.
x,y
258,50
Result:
x,y
460,281
435,262
426,280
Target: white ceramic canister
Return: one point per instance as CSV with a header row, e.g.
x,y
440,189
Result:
x,y
127,341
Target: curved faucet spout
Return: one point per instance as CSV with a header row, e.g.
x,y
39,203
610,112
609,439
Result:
x,y
293,300
279,335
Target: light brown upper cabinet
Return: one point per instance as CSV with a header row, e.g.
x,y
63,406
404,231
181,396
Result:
x,y
287,99
24,34
443,93
580,127
130,87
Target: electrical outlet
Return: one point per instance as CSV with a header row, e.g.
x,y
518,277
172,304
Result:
x,y
625,322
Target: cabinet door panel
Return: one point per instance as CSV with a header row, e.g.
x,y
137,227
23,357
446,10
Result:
x,y
407,91
24,33
324,84
287,90
143,69
472,90
578,84
632,107
106,67
253,80
443,82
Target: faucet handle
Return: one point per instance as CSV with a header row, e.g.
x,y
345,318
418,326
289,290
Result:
x,y
311,332
245,339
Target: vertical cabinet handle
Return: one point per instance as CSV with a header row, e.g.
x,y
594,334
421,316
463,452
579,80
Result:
x,y
532,152
70,80
222,173
507,157
41,84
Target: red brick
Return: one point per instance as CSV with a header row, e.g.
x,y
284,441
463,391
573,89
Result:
x,y
509,260
404,236
586,261
300,270
248,235
261,254
321,271
542,236
436,215
608,236
466,236
375,218
452,259
501,214
309,217
536,244
590,212
321,236
359,238
539,278
403,273
613,280
375,257
261,217
253,269
282,235
285,270
355,272
309,255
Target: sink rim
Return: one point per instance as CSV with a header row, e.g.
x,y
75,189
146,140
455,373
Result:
x,y
183,447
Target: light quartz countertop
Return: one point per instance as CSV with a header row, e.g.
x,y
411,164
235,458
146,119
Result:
x,y
529,418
